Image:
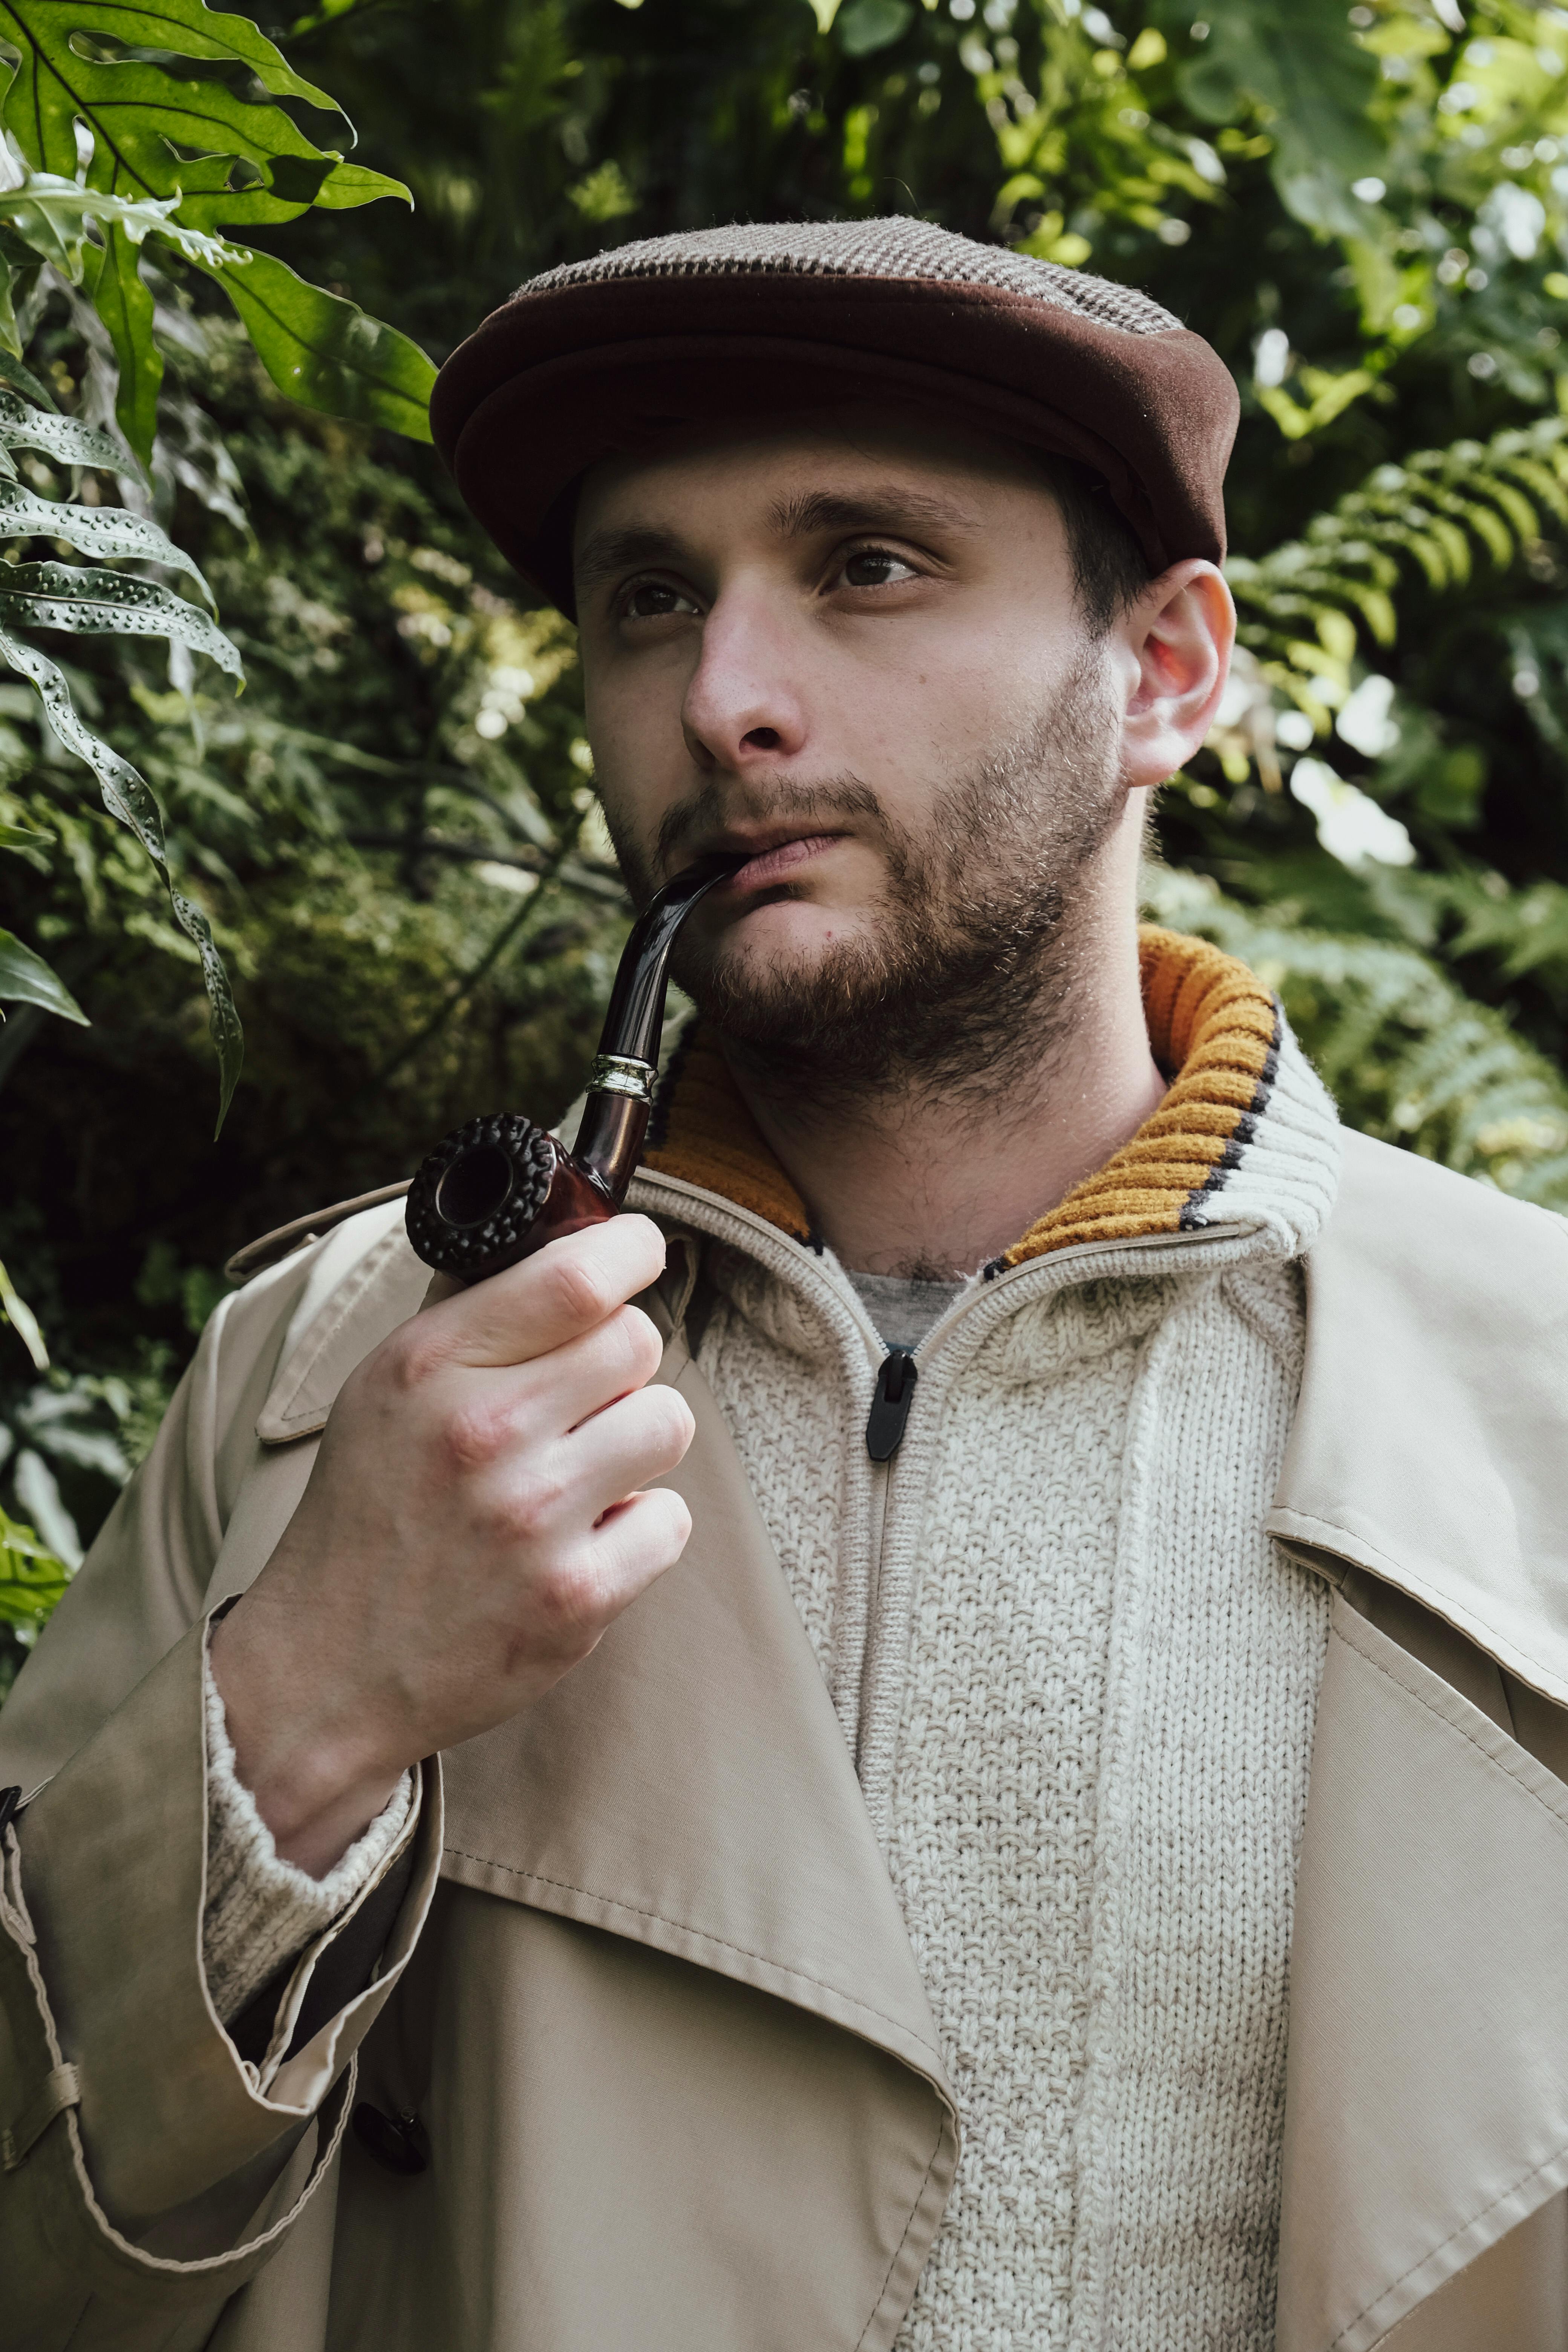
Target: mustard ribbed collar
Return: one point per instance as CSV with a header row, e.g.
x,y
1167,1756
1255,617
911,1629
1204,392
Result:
x,y
1211,1022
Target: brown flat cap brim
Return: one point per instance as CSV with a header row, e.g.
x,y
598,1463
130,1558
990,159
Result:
x,y
569,372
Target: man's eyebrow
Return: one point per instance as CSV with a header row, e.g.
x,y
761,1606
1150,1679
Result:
x,y
883,509
603,553
606,553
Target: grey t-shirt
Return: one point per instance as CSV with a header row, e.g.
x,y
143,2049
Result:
x,y
903,1311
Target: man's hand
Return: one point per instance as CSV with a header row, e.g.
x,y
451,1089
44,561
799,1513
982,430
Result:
x,y
472,1524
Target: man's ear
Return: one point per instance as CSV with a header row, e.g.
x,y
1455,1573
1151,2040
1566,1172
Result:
x,y
1174,645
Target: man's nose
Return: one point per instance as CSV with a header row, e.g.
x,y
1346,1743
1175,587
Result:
x,y
745,705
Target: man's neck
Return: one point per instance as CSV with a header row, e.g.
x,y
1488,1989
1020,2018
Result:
x,y
936,1182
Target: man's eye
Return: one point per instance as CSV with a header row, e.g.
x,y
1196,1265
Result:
x,y
875,567
650,599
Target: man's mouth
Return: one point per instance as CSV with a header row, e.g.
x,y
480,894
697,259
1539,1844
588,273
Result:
x,y
775,861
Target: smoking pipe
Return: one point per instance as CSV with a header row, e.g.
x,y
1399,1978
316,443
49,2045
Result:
x,y
499,1188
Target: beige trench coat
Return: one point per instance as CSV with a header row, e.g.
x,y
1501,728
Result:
x,y
649,1992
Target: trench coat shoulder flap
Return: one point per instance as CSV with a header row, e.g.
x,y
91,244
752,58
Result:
x,y
687,1788
1427,2094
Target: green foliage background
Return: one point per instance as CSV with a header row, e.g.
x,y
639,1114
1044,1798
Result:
x,y
393,832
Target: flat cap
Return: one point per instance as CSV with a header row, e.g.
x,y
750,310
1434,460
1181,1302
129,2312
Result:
x,y
611,356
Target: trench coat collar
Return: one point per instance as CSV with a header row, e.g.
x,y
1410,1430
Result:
x,y
1427,2091
1427,1447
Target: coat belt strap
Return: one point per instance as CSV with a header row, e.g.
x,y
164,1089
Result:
x,y
57,2092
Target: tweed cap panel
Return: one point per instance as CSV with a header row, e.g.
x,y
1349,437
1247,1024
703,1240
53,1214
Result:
x,y
620,355
878,248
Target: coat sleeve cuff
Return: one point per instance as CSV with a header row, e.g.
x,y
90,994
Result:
x,y
112,1886
261,1912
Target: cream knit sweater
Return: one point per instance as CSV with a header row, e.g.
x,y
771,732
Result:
x,y
1104,1720
1079,1684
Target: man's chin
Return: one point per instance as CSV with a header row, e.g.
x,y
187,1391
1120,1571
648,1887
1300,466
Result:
x,y
761,989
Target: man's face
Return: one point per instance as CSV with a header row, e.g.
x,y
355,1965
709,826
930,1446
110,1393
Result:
x,y
855,650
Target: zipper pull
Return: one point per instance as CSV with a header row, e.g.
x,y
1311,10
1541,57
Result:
x,y
891,1402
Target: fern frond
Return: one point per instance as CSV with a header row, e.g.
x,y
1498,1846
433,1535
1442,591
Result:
x,y
1409,1057
1439,516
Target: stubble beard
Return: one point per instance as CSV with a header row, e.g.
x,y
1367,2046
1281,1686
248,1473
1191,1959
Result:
x,y
971,967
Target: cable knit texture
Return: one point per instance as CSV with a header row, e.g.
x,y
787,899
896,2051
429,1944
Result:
x,y
1082,1699
261,1911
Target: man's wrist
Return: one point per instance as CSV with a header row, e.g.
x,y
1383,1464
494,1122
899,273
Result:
x,y
310,1777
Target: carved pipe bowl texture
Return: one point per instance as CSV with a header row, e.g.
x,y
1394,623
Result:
x,y
475,1199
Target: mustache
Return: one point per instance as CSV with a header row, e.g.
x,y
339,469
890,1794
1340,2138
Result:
x,y
761,800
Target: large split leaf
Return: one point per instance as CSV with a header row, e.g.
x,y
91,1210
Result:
x,y
55,83
25,979
213,160
127,796
22,379
327,352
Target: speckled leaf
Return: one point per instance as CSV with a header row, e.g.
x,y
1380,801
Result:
x,y
64,596
103,532
126,795
65,437
25,979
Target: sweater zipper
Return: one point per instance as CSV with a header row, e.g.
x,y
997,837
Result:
x,y
722,1220
891,1400
898,1370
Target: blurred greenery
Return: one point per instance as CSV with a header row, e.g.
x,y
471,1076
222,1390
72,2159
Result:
x,y
393,834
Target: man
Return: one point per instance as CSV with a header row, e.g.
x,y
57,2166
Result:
x,y
1073,1854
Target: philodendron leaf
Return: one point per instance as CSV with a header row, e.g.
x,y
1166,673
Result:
x,y
329,354
126,795
292,185
348,184
65,437
64,596
25,979
53,85
121,297
103,532
158,140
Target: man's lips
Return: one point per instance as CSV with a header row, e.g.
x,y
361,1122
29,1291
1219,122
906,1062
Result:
x,y
775,862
